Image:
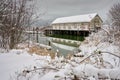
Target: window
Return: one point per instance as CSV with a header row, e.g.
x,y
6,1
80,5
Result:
x,y
79,26
64,26
54,26
69,26
96,22
82,24
75,26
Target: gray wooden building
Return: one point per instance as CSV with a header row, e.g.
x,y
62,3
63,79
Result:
x,y
80,25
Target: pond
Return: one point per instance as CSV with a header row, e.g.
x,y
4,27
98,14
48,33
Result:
x,y
63,49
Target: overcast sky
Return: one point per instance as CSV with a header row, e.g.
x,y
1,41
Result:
x,y
61,8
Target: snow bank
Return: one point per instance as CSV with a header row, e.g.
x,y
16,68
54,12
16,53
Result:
x,y
64,46
14,62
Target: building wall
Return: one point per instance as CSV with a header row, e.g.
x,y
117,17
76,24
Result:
x,y
95,23
71,26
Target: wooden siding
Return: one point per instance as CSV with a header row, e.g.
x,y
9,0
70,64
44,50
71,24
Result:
x,y
71,26
94,24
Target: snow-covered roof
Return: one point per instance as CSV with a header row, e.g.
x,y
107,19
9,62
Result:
x,y
78,18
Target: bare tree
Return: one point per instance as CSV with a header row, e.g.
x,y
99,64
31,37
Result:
x,y
114,14
15,17
3,13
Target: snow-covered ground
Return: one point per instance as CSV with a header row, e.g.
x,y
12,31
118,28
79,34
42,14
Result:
x,y
100,60
64,46
13,61
19,65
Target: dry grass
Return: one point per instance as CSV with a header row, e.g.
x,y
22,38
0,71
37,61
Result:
x,y
21,46
41,51
35,49
69,55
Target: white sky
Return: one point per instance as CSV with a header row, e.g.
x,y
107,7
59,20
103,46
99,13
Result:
x,y
61,8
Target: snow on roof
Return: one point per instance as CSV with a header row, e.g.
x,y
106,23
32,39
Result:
x,y
78,18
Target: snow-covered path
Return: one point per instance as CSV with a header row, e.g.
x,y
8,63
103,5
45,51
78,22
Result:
x,y
12,62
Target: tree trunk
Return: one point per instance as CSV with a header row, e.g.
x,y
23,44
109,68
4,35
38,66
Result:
x,y
12,40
